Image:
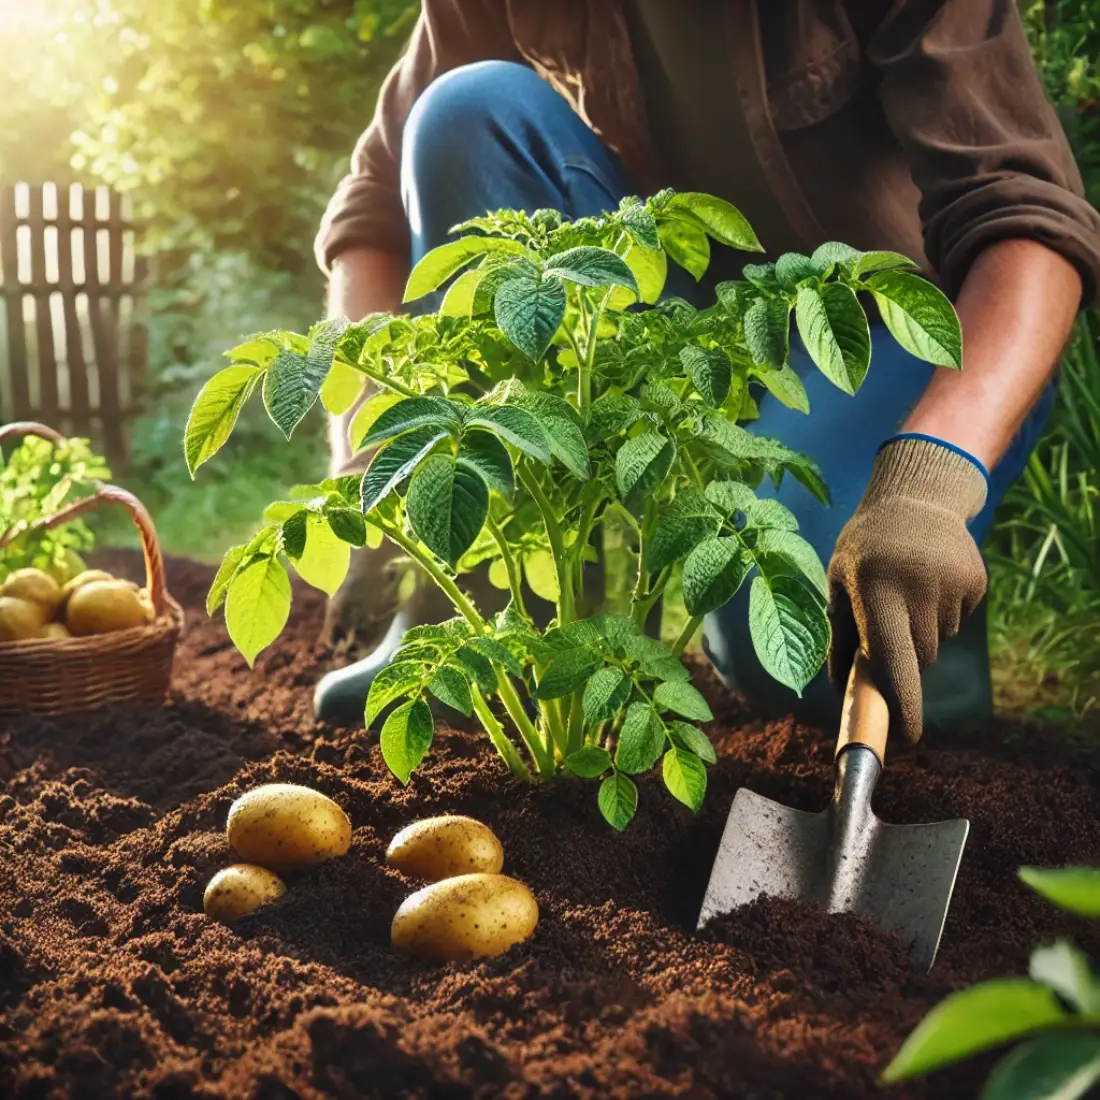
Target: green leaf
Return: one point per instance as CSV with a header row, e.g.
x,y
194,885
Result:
x,y
641,227
761,276
972,1020
692,739
295,527
257,606
793,268
291,384
324,560
686,244
216,596
412,413
348,525
406,737
789,629
710,371
767,331
462,293
604,694
832,253
483,453
514,425
541,574
566,672
867,262
393,464
650,270
1074,888
722,220
447,506
451,687
730,496
1052,1067
590,266
683,699
713,573
341,388
654,658
681,525
368,413
641,465
215,412
392,682
499,652
919,317
1069,973
785,384
784,546
529,309
563,429
641,740
770,514
834,329
588,762
618,801
685,777
611,415
258,350
441,263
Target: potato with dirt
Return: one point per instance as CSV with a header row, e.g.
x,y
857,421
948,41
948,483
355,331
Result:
x,y
101,607
236,891
21,619
35,586
285,827
443,847
467,917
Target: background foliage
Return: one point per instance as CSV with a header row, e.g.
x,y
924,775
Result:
x,y
228,121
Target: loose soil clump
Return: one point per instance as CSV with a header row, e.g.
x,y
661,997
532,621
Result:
x,y
114,984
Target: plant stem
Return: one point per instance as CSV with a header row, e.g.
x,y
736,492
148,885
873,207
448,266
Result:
x,y
497,735
388,383
450,589
551,716
544,760
690,627
575,738
515,581
557,543
594,494
643,607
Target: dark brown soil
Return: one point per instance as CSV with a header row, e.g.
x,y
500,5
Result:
x,y
113,983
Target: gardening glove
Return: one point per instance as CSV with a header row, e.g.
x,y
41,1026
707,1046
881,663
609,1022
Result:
x,y
906,571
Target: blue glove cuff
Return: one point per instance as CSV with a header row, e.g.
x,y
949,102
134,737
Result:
x,y
977,463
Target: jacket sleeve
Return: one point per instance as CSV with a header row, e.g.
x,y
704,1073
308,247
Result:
x,y
984,143
366,209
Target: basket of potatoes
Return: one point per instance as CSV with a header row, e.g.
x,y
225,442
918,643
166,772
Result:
x,y
92,641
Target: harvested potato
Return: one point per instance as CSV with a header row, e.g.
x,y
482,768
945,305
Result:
x,y
470,916
56,631
236,891
21,619
442,847
87,576
284,826
100,607
33,585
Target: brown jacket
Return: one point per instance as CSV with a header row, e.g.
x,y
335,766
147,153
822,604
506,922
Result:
x,y
915,125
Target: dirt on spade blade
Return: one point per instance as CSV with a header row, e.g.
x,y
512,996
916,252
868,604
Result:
x,y
114,984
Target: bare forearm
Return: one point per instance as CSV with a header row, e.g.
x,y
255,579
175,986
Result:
x,y
363,281
1017,309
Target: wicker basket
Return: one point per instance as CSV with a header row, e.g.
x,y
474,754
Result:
x,y
50,676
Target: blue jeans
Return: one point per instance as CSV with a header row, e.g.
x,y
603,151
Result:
x,y
494,134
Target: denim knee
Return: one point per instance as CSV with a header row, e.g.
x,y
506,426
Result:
x,y
463,111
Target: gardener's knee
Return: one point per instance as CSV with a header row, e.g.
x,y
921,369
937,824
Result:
x,y
462,115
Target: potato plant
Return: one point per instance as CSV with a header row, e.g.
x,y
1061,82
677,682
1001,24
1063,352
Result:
x,y
1054,1013
555,400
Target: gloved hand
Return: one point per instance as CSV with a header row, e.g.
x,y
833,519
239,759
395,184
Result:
x,y
906,571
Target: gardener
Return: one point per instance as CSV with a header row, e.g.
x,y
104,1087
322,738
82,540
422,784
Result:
x,y
924,130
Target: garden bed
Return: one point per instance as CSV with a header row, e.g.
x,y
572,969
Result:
x,y
113,983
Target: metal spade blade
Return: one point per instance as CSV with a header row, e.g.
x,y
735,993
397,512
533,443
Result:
x,y
900,877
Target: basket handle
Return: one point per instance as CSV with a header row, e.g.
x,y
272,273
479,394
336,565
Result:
x,y
20,428
150,545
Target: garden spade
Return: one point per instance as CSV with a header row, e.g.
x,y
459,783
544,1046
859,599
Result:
x,y
898,876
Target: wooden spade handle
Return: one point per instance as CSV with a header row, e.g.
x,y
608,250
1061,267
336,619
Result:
x,y
865,719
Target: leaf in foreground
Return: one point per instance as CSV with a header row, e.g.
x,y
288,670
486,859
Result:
x,y
1052,1067
683,699
641,740
325,559
588,762
618,801
528,309
685,777
215,411
975,1019
447,507
406,737
789,629
257,606
919,317
1074,888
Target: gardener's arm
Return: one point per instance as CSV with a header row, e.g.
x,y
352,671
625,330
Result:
x,y
1013,240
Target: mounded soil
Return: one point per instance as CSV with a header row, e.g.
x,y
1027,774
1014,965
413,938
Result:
x,y
114,984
